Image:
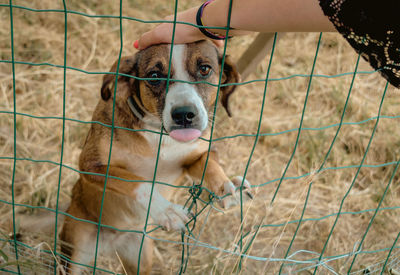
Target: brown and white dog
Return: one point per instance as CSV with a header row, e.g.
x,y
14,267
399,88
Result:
x,y
183,112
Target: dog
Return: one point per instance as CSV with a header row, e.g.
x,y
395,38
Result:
x,y
182,113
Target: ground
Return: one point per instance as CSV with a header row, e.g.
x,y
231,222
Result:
x,y
325,187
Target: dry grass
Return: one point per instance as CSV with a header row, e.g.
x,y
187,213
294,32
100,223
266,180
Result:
x,y
93,45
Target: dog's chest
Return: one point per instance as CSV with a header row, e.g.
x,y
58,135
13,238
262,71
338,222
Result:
x,y
166,165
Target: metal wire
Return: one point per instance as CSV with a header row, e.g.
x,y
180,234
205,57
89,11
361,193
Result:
x,y
44,261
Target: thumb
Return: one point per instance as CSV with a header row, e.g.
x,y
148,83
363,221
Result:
x,y
218,43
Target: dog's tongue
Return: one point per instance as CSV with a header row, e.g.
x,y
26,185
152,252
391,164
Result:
x,y
185,135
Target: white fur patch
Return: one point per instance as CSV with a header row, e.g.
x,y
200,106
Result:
x,y
167,214
169,166
178,60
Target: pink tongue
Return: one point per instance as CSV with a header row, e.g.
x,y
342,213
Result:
x,y
185,135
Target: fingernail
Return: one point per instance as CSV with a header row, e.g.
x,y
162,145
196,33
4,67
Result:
x,y
136,44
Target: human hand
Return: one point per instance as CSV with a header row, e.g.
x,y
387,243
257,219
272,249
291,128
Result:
x,y
183,33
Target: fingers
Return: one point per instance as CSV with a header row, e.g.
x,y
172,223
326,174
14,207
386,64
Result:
x,y
163,32
184,33
151,38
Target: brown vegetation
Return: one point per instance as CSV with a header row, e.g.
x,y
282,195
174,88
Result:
x,y
93,45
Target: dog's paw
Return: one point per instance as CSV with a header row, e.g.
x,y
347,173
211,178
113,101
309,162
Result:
x,y
169,215
232,188
172,217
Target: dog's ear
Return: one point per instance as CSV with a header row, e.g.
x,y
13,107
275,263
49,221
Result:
x,y
229,75
128,65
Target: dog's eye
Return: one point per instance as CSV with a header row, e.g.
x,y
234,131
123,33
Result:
x,y
154,82
204,70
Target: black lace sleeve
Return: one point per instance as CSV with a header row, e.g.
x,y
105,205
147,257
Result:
x,y
372,28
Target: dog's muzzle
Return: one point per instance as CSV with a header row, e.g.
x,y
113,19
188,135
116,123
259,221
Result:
x,y
184,115
186,123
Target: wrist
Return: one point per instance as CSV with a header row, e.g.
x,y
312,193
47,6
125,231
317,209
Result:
x,y
207,30
211,16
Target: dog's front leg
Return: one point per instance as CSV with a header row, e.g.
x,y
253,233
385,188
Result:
x,y
133,193
126,202
216,179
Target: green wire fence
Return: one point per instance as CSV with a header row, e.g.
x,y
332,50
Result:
x,y
13,252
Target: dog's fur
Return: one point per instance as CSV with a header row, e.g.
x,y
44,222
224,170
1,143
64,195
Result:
x,y
134,153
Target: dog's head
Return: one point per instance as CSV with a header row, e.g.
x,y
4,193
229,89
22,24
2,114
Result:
x,y
183,108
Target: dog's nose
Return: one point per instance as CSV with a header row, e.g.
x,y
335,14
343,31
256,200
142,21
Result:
x,y
183,115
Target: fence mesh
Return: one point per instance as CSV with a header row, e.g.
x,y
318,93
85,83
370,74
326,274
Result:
x,y
291,185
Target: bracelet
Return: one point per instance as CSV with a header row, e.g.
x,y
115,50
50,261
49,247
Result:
x,y
204,31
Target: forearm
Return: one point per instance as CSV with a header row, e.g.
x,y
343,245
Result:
x,y
267,16
247,16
